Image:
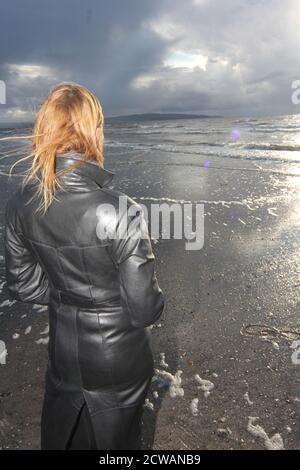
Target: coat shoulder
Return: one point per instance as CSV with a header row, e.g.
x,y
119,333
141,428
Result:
x,y
114,205
111,208
114,197
15,203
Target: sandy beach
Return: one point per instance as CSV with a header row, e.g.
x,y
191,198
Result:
x,y
227,375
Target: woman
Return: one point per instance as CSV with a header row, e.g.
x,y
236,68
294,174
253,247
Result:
x,y
71,245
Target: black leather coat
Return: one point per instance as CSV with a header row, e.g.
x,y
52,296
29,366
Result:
x,y
102,294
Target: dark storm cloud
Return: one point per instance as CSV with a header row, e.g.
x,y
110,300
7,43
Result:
x,y
218,56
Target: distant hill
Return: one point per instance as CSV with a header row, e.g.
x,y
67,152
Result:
x,y
15,125
129,117
157,117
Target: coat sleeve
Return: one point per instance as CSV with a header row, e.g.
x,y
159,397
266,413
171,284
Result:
x,y
25,279
132,253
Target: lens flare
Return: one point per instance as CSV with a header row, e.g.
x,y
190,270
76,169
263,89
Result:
x,y
235,134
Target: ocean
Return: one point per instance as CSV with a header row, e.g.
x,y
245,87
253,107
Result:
x,y
255,162
274,141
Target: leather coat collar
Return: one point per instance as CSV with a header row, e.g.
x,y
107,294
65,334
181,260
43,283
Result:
x,y
88,174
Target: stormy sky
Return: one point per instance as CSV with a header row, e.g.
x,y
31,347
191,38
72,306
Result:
x,y
228,57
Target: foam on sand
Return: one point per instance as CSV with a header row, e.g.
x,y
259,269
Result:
x,y
163,361
271,443
175,388
205,385
148,404
43,340
194,406
3,353
247,398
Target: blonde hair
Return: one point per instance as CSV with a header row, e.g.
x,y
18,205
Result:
x,y
69,118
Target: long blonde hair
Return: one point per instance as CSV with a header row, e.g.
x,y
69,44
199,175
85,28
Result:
x,y
69,118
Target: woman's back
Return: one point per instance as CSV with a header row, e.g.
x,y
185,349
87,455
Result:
x,y
80,264
102,293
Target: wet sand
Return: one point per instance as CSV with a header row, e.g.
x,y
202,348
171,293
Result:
x,y
231,316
